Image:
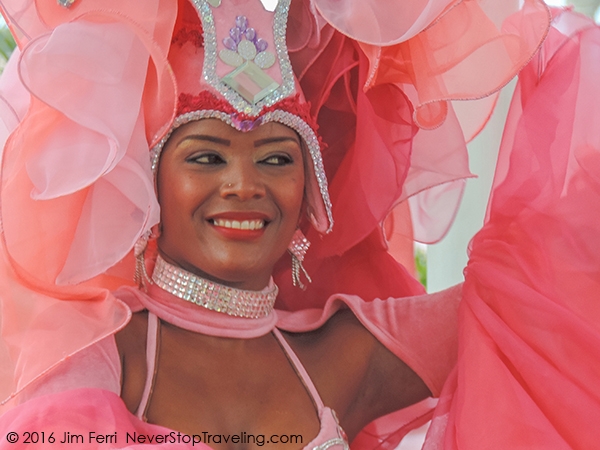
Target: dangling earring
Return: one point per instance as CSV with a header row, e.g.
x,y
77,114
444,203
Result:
x,y
298,248
141,277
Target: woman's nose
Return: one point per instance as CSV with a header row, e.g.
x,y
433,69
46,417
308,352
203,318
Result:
x,y
243,181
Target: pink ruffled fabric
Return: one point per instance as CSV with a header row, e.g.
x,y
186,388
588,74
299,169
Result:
x,y
380,23
42,329
70,155
384,111
86,411
530,318
369,97
75,175
76,186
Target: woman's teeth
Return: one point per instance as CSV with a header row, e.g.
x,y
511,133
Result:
x,y
240,225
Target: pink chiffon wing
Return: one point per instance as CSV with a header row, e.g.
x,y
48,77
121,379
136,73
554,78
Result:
x,y
76,180
386,113
59,157
381,22
41,329
82,101
530,336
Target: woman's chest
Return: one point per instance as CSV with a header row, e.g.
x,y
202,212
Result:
x,y
235,394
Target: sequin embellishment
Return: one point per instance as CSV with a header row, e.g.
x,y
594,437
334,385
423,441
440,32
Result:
x,y
245,51
246,89
211,295
294,122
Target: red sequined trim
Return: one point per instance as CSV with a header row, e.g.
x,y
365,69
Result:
x,y
204,101
208,101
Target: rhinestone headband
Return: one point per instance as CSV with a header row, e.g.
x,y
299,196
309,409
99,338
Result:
x,y
292,121
214,296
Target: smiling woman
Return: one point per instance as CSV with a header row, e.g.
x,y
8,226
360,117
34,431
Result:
x,y
230,200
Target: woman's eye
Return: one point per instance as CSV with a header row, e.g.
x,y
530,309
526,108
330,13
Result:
x,y
278,160
207,158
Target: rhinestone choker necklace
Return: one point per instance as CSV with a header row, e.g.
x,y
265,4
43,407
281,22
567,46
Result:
x,y
214,296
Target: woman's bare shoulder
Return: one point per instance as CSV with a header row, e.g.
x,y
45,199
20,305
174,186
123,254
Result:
x,y
354,373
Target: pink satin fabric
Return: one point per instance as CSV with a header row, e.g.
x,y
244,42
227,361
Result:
x,y
530,316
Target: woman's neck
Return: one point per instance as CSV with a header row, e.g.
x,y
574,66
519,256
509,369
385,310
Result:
x,y
214,296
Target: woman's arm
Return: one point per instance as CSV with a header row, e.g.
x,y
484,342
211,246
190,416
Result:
x,y
374,358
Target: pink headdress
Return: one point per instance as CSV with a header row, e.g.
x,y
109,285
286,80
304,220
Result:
x,y
103,82
234,66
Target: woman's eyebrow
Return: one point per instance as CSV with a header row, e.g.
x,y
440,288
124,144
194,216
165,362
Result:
x,y
275,139
206,137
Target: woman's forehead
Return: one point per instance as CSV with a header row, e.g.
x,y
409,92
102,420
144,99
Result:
x,y
218,128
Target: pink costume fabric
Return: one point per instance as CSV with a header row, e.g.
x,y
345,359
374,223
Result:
x,y
88,383
529,334
383,79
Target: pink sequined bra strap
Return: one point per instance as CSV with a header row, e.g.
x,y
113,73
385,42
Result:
x,y
151,357
300,370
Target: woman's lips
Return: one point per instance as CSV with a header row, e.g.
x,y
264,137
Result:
x,y
239,226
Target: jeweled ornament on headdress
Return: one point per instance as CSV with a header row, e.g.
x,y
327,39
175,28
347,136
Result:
x,y
239,61
66,3
249,55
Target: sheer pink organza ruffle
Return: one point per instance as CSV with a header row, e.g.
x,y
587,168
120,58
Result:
x,y
76,189
391,131
72,165
530,318
39,329
73,169
381,23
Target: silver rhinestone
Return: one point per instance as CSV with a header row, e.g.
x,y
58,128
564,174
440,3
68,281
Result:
x,y
66,3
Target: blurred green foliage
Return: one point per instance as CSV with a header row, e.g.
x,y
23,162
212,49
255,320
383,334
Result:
x,y
7,44
421,265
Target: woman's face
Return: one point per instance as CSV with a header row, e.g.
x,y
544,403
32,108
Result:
x,y
230,201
